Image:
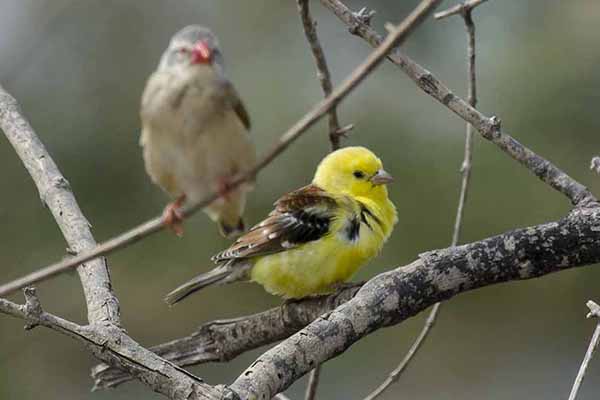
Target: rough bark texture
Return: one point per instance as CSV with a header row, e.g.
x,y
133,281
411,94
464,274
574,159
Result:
x,y
223,340
437,275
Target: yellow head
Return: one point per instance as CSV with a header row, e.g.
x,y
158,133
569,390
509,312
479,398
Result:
x,y
354,171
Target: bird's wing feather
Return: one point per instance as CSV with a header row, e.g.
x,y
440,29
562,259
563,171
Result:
x,y
299,217
236,103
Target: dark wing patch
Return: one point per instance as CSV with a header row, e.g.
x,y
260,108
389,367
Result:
x,y
236,103
299,217
352,230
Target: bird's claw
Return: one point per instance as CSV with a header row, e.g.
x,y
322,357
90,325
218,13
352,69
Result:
x,y
173,217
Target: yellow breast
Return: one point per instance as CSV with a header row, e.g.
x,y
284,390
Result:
x,y
315,267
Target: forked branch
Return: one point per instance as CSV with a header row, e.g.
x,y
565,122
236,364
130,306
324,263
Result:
x,y
488,127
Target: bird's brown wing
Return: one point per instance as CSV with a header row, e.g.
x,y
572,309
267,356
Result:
x,y
299,217
236,103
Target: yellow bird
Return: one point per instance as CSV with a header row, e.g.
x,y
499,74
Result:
x,y
316,237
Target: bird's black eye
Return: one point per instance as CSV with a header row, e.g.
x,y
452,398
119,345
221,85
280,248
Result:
x,y
358,174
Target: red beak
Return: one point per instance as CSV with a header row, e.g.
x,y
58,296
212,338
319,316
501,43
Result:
x,y
201,53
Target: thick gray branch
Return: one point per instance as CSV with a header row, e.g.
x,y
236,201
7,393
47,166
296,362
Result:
x,y
221,341
488,127
392,297
520,254
56,194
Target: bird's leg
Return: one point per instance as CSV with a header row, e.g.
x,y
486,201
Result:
x,y
224,188
172,216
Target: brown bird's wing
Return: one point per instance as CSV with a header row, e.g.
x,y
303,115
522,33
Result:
x,y
299,217
236,103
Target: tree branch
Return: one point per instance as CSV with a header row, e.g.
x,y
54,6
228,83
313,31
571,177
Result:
x,y
103,336
309,119
488,127
335,132
392,297
56,194
595,165
310,31
466,175
223,340
463,8
594,312
109,343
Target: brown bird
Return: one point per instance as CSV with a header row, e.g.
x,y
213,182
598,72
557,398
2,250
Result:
x,y
195,127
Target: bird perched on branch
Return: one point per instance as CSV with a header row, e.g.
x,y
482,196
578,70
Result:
x,y
316,237
195,130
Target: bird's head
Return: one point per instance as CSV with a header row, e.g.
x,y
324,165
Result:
x,y
194,45
355,171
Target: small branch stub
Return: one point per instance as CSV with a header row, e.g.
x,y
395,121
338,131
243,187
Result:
x,y
463,8
33,308
595,165
594,309
364,17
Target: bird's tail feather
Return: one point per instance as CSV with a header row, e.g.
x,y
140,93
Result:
x,y
217,275
231,230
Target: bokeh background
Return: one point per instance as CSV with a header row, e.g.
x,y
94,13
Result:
x,y
78,68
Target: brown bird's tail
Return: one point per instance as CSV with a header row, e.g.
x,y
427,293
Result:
x,y
233,230
217,275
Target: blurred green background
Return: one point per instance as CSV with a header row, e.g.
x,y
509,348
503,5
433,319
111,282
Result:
x,y
78,68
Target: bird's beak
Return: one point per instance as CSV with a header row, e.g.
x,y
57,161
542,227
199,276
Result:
x,y
201,53
381,178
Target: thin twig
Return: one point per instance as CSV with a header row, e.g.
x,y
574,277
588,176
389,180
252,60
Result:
x,y
395,374
472,99
466,177
463,8
313,383
309,119
335,133
488,127
594,312
310,31
281,396
55,192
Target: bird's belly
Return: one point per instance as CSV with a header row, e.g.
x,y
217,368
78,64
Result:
x,y
222,150
193,159
310,269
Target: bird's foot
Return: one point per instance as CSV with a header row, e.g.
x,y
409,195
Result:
x,y
339,286
172,216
